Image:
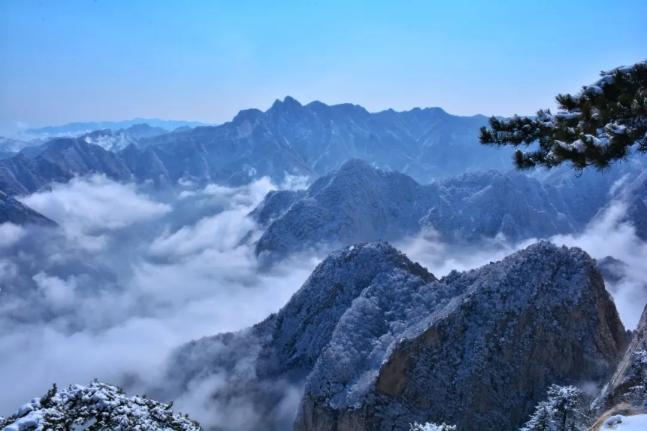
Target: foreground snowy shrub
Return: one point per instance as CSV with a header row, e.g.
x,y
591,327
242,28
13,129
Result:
x,y
562,411
97,407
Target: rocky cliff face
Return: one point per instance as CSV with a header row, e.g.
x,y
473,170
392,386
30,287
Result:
x,y
538,317
375,342
629,382
262,366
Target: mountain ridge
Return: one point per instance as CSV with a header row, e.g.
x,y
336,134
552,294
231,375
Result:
x,y
292,139
359,202
344,338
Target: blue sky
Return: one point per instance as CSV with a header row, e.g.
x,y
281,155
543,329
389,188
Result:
x,y
63,61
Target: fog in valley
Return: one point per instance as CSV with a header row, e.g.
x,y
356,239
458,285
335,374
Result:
x,y
133,272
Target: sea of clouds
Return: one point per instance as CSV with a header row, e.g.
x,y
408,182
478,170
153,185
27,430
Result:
x,y
131,273
608,234
126,278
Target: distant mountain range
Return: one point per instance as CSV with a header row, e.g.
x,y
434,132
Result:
x,y
420,168
10,147
287,139
79,128
317,138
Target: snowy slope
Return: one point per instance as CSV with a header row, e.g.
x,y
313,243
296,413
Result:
x,y
625,423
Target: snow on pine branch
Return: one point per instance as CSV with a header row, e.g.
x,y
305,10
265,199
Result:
x,y
604,122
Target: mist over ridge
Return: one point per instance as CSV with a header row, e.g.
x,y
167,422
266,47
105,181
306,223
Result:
x,y
107,273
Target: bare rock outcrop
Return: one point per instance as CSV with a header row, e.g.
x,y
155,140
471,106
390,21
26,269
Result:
x,y
482,360
372,341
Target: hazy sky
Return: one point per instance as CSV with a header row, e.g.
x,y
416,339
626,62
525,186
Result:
x,y
63,61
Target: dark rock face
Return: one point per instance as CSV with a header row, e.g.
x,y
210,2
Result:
x,y
13,211
538,317
260,364
375,342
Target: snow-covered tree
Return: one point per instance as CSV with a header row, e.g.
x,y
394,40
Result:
x,y
430,426
562,411
97,406
601,124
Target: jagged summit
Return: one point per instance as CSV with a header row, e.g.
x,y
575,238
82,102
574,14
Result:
x,y
287,102
375,342
520,302
288,138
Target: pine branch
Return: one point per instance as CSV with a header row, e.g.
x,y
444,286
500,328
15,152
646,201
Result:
x,y
604,123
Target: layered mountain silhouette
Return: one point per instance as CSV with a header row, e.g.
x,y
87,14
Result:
x,y
287,139
373,341
81,128
58,161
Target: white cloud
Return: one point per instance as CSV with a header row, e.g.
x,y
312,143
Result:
x,y
58,292
440,258
223,231
166,270
609,235
87,208
606,235
10,234
161,272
